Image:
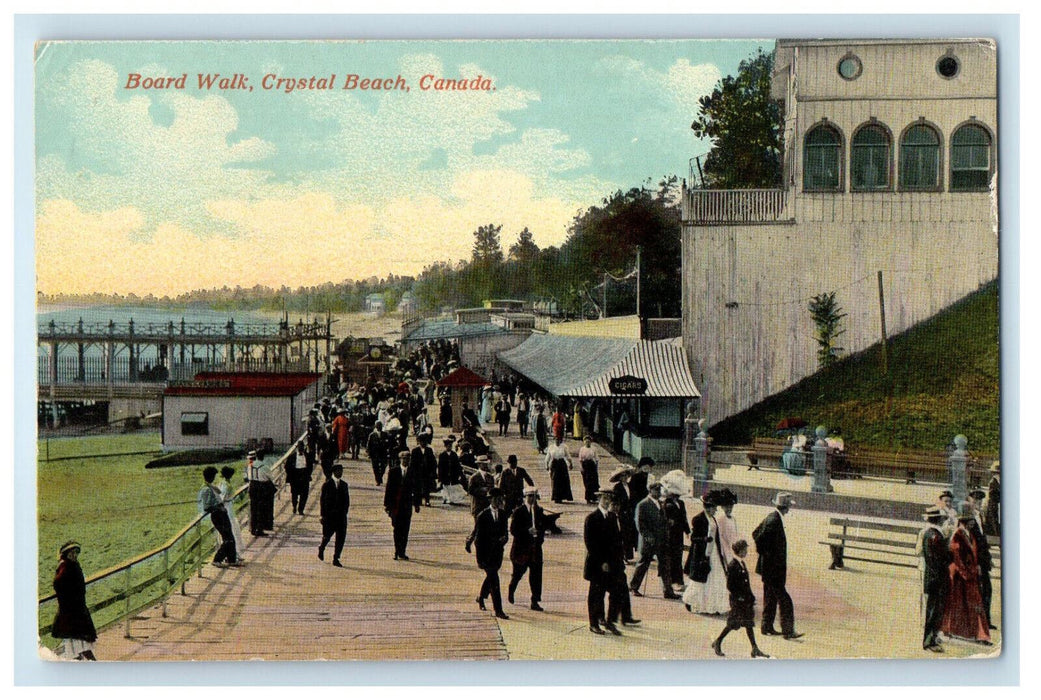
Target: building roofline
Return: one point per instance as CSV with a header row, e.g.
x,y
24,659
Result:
x,y
786,43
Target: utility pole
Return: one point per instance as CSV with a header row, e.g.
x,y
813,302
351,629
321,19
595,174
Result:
x,y
882,314
603,309
638,315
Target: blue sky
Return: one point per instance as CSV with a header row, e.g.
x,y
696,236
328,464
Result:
x,y
163,191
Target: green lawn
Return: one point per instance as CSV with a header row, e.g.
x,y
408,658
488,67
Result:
x,y
113,506
943,379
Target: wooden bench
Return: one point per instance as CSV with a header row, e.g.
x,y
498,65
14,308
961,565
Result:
x,y
907,464
882,543
768,451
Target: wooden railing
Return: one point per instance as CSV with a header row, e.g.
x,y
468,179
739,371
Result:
x,y
704,207
118,593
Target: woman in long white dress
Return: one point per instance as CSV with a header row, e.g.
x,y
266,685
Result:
x,y
226,495
487,401
710,597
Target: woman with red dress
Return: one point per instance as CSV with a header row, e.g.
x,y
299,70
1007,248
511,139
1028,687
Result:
x,y
964,616
342,430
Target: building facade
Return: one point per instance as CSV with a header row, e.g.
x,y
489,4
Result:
x,y
227,409
890,155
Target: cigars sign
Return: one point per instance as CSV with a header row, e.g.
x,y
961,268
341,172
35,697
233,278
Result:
x,y
628,385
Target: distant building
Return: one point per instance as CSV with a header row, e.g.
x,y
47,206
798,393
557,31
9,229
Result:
x,y
890,153
408,304
227,409
507,304
634,393
374,303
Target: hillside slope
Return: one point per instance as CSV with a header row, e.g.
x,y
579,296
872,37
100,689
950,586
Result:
x,y
944,379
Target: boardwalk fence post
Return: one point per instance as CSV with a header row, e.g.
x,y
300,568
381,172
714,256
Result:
x,y
184,562
956,466
821,477
126,600
166,576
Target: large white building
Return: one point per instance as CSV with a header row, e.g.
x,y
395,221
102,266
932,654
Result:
x,y
889,165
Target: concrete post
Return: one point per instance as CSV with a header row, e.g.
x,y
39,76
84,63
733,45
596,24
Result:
x,y
956,467
701,469
821,476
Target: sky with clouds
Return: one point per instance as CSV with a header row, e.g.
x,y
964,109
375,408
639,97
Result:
x,y
164,191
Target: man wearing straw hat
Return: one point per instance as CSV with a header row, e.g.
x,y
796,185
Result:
x,y
602,541
772,546
402,494
936,557
650,526
528,528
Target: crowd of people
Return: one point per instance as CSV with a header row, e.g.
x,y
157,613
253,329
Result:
x,y
956,564
637,520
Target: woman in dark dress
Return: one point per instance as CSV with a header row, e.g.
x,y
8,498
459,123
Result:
x,y
558,463
541,430
73,624
742,602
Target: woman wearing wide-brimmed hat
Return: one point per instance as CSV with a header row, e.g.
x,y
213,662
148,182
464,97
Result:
x,y
706,565
73,624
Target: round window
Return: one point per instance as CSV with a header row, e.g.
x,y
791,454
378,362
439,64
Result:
x,y
850,67
948,66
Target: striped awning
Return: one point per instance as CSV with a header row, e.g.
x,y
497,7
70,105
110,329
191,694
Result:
x,y
584,366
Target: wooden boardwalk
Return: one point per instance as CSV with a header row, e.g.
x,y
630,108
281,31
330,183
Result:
x,y
287,605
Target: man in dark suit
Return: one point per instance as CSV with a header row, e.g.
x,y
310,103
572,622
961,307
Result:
x,y
639,480
403,494
623,501
650,526
511,483
528,528
772,566
425,462
376,446
335,502
932,544
598,533
490,537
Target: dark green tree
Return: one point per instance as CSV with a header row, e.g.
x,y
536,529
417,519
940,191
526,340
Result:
x,y
604,239
487,248
744,124
827,316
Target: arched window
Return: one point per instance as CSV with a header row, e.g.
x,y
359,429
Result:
x,y
920,159
869,159
970,159
822,155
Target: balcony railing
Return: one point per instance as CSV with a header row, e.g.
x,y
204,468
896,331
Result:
x,y
707,207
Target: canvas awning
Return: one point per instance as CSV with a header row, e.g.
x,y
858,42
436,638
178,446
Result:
x,y
585,366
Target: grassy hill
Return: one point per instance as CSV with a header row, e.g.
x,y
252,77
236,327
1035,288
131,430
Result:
x,y
943,380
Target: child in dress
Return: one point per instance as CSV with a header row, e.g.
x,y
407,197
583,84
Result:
x,y
742,602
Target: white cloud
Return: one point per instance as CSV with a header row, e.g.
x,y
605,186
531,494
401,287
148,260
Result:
x,y
180,201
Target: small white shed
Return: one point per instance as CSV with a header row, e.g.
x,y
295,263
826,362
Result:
x,y
227,409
